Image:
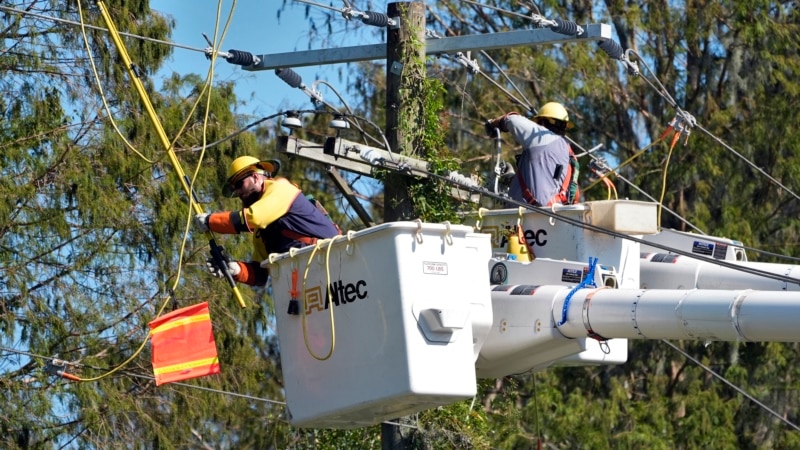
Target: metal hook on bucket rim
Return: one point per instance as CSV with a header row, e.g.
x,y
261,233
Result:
x,y
448,233
418,233
479,222
350,247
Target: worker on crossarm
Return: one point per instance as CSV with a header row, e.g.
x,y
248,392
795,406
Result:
x,y
274,211
547,169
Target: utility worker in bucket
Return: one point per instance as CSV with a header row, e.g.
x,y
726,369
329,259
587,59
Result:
x,y
547,169
274,210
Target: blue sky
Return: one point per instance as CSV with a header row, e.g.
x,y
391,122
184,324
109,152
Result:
x,y
255,27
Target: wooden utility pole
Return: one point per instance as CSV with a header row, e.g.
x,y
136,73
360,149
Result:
x,y
405,51
405,79
405,75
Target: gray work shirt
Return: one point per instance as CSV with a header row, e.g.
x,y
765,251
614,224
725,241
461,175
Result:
x,y
544,161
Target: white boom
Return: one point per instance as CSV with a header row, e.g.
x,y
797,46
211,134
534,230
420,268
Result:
x,y
665,271
526,335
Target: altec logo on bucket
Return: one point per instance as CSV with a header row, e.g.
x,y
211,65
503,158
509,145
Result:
x,y
341,294
500,235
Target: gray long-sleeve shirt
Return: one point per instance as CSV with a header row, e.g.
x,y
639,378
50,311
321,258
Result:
x,y
544,161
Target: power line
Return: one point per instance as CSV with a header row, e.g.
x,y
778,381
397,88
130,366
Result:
x,y
665,95
70,22
495,8
736,388
202,50
147,377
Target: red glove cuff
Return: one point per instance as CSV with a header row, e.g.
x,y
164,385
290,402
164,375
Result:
x,y
223,222
252,273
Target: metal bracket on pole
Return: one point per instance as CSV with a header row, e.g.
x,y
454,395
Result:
x,y
362,213
433,46
362,159
352,156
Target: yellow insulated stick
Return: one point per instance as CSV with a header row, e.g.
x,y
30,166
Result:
x,y
216,250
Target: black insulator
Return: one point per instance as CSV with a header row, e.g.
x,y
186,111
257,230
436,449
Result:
x,y
377,19
294,307
565,27
290,77
240,58
611,48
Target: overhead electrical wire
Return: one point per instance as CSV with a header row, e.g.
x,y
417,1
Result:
x,y
138,375
70,22
733,386
470,187
101,91
177,45
530,109
663,92
660,203
498,9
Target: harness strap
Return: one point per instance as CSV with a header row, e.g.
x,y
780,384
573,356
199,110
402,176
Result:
x,y
294,235
308,240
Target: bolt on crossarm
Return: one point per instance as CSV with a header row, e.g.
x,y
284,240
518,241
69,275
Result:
x,y
217,251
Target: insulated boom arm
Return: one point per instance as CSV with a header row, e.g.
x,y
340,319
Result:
x,y
715,315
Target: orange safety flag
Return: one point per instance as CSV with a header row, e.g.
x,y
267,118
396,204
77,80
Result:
x,y
183,345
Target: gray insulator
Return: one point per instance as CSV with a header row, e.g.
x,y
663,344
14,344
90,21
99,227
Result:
x,y
376,19
565,27
290,77
240,58
611,48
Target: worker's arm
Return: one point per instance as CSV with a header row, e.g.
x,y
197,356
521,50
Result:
x,y
274,203
498,123
225,222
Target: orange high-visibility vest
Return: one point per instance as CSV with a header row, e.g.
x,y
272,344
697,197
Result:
x,y
183,345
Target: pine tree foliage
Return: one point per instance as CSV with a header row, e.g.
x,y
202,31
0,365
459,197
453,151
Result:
x,y
95,245
95,238
729,65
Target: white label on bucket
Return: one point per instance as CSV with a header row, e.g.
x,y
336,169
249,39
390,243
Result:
x,y
436,268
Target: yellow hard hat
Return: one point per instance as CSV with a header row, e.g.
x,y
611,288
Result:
x,y
249,164
553,110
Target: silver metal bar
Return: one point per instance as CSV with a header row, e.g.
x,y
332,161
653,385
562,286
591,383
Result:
x,y
434,46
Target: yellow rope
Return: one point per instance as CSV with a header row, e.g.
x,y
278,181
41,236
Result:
x,y
664,177
148,106
328,299
101,91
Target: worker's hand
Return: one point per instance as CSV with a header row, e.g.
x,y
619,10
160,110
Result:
x,y
492,127
233,269
498,123
201,221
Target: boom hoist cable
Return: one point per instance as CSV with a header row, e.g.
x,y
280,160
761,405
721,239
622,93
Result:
x,y
217,252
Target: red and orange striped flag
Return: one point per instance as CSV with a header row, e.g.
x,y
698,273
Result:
x,y
183,345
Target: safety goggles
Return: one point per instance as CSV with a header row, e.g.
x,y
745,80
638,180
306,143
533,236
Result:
x,y
236,185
